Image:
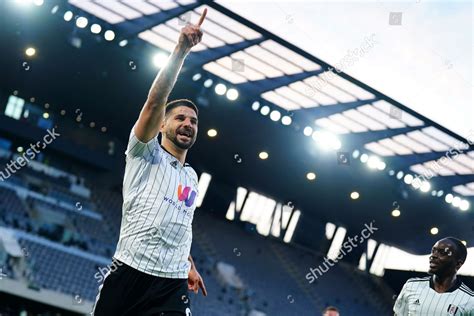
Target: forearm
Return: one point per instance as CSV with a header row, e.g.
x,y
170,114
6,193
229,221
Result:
x,y
166,78
153,112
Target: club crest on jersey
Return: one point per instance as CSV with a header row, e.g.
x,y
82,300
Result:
x,y
452,309
187,195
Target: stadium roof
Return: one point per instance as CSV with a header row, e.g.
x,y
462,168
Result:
x,y
98,80
269,69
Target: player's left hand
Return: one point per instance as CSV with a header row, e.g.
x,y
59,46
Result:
x,y
195,282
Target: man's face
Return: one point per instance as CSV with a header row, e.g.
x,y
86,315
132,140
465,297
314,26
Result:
x,y
443,259
331,313
181,126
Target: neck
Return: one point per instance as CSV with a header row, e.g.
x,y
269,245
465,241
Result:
x,y
174,150
443,283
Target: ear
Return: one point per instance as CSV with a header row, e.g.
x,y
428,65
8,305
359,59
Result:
x,y
163,124
459,264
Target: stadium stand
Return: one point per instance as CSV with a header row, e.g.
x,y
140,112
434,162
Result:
x,y
65,252
60,215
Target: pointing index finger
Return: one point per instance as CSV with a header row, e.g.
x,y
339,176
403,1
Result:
x,y
203,16
203,287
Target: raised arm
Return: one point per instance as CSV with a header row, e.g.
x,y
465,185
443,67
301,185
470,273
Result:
x,y
153,112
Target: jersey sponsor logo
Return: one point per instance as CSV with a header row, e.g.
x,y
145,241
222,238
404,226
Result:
x,y
187,195
452,309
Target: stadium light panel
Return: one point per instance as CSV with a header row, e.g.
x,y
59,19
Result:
x,y
265,110
220,89
449,198
30,51
286,120
336,243
326,140
160,60
456,201
212,133
292,226
96,28
208,83
81,22
68,15
330,230
308,131
464,205
255,105
232,94
275,115
203,185
373,162
355,195
109,35
355,154
425,186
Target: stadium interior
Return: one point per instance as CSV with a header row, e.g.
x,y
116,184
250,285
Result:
x,y
290,164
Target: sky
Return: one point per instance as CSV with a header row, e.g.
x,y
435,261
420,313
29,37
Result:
x,y
425,63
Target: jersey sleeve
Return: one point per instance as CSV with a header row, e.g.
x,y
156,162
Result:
x,y
401,304
136,148
470,311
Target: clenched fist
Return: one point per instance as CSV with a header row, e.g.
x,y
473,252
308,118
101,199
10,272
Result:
x,y
191,34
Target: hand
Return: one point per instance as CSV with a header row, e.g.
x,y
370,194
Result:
x,y
191,34
195,282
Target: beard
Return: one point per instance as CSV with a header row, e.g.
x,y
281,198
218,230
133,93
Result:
x,y
173,136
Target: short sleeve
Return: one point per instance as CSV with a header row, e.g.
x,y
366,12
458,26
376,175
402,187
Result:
x,y
194,177
401,307
136,148
470,311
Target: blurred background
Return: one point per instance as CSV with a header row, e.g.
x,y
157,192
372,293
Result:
x,y
332,152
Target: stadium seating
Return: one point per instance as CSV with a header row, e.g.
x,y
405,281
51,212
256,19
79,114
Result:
x,y
60,271
275,291
273,273
12,211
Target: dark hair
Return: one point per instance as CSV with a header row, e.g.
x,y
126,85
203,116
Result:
x,y
181,102
330,309
461,250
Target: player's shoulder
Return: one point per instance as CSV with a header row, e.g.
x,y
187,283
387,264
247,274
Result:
x,y
464,288
190,170
416,282
423,279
